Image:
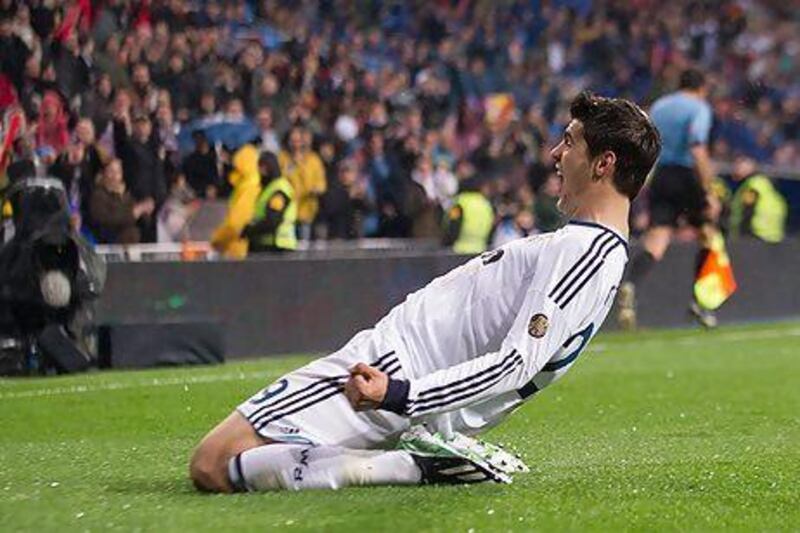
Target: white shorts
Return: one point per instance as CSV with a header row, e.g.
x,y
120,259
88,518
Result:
x,y
308,405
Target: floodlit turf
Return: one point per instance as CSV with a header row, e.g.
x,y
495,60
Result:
x,y
659,430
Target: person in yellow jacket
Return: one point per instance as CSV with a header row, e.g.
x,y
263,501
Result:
x,y
246,182
469,222
305,171
273,225
757,209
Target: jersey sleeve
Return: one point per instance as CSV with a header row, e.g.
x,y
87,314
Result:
x,y
538,331
555,320
700,126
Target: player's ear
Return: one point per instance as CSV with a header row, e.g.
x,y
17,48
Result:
x,y
604,165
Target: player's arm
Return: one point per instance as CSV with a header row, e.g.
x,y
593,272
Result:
x,y
538,332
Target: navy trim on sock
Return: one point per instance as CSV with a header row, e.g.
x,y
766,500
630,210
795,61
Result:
x,y
239,484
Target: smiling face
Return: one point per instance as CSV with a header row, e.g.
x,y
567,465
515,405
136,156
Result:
x,y
573,166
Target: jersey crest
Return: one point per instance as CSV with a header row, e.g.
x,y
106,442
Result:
x,y
537,327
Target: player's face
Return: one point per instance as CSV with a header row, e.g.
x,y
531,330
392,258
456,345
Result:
x,y
573,166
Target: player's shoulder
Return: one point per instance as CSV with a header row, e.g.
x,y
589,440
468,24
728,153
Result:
x,y
570,240
577,233
583,257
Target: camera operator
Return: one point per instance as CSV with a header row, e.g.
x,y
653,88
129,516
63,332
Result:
x,y
48,278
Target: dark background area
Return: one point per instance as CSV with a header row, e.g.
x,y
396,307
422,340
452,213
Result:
x,y
315,303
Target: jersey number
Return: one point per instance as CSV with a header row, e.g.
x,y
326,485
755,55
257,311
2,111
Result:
x,y
584,335
487,258
273,390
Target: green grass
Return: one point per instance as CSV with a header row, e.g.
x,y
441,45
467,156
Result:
x,y
669,430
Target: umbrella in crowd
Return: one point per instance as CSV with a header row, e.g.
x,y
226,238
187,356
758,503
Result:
x,y
230,133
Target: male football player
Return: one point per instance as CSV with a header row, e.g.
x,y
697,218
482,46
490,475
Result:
x,y
397,404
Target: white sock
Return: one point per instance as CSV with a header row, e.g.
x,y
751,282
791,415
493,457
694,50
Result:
x,y
300,467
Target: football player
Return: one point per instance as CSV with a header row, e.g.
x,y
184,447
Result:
x,y
398,404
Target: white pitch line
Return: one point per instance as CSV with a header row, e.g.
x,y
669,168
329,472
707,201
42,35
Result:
x,y
694,339
155,382
686,340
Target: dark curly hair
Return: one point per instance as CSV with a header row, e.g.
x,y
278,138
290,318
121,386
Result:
x,y
622,127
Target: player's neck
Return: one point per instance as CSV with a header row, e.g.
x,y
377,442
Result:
x,y
609,209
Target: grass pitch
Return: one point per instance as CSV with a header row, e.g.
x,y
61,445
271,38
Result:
x,y
654,431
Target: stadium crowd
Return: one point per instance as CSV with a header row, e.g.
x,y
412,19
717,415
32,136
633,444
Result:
x,y
378,111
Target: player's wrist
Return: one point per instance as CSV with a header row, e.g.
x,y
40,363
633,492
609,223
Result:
x,y
396,397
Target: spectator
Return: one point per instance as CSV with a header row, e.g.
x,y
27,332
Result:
x,y
515,223
13,51
208,105
52,129
439,184
177,211
145,94
266,92
93,157
234,110
142,164
72,67
97,103
114,61
758,209
469,222
114,211
166,136
23,164
273,226
178,82
78,168
200,167
305,171
488,87
245,180
346,203
268,137
423,201
384,182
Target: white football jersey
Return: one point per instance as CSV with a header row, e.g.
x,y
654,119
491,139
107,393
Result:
x,y
478,341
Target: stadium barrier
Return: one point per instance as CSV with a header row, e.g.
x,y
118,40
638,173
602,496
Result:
x,y
315,301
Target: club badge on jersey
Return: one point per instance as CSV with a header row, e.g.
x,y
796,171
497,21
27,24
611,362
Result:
x,y
537,327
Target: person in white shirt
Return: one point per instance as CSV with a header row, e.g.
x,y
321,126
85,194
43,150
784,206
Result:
x,y
458,355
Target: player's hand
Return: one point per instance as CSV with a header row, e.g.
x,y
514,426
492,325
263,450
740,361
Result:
x,y
366,387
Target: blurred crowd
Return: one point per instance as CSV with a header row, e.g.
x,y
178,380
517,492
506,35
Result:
x,y
378,111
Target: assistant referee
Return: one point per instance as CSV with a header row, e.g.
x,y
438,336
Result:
x,y
680,190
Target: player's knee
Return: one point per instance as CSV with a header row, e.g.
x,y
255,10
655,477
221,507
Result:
x,y
208,470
